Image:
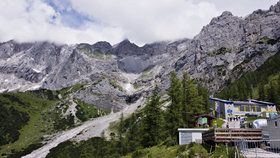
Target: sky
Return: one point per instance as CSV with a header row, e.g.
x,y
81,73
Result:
x,y
90,21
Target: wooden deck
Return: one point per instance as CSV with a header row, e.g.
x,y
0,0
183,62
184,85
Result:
x,y
219,135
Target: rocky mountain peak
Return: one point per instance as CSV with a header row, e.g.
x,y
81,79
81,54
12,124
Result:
x,y
126,43
226,48
225,30
275,8
125,48
102,46
226,14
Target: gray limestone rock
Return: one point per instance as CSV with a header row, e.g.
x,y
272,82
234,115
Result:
x,y
224,50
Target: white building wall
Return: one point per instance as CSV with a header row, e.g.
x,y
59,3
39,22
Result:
x,y
197,137
274,132
185,138
189,135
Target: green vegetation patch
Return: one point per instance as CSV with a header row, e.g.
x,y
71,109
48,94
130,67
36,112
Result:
x,y
98,148
221,51
87,111
267,40
23,119
11,122
161,151
116,85
96,54
221,151
68,90
219,122
263,84
93,148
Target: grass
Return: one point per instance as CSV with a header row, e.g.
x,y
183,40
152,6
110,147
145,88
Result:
x,y
87,111
146,73
65,91
96,54
222,152
116,85
29,116
161,151
155,152
36,107
182,151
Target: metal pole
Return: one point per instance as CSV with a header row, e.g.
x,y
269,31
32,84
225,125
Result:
x,y
227,147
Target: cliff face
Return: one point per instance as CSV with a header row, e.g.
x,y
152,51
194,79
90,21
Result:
x,y
229,46
225,49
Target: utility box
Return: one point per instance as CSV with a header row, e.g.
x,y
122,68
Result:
x,y
191,135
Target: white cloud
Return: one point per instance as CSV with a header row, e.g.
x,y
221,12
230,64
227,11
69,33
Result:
x,y
142,21
150,20
32,20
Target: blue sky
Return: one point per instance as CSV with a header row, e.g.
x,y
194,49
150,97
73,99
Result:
x,y
145,21
69,16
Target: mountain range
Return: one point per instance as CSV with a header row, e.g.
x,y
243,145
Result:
x,y
226,48
65,86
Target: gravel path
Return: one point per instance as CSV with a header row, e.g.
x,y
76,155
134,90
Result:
x,y
87,130
260,153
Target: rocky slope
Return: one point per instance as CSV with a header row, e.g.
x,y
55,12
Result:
x,y
225,49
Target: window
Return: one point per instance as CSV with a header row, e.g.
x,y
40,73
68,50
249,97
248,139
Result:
x,y
258,109
247,108
242,108
275,123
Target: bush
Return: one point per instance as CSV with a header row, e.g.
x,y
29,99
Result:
x,y
11,122
138,153
221,151
169,141
197,150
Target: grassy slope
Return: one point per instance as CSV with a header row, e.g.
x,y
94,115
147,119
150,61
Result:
x,y
86,111
37,109
99,147
156,152
182,151
43,109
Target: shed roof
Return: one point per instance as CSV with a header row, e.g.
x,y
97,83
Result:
x,y
192,129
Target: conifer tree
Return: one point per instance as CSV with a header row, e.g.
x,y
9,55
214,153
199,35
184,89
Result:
x,y
133,135
193,101
261,92
121,132
185,102
152,121
203,92
278,90
173,116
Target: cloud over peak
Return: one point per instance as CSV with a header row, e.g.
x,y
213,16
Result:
x,y
145,21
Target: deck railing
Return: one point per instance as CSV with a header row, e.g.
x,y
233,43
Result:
x,y
231,134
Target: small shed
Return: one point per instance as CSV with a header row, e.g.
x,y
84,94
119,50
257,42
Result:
x,y
189,135
204,120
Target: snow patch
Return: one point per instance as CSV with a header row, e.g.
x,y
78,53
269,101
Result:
x,y
36,70
128,85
